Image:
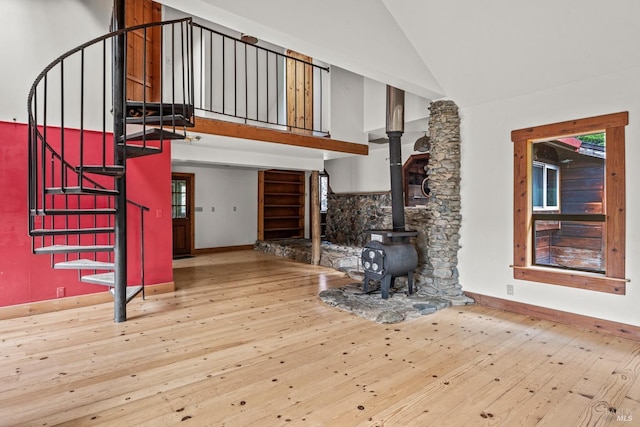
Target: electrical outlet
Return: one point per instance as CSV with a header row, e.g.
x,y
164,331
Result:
x,y
234,208
59,292
509,289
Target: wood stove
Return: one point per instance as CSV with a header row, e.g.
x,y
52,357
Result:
x,y
390,253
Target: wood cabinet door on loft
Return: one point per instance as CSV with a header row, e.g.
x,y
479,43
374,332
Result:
x,y
280,204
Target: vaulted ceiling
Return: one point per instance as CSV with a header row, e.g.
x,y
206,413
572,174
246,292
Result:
x,y
473,52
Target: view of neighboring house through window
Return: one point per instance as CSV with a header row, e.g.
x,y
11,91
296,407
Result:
x,y
546,184
568,179
569,203
324,202
324,192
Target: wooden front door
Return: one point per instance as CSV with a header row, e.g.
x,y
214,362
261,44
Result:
x,y
182,213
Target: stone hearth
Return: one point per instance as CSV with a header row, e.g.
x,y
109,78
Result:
x,y
371,306
350,216
351,298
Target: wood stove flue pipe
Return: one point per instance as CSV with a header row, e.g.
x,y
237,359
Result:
x,y
395,129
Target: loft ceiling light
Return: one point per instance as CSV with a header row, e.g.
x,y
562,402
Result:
x,y
249,39
423,144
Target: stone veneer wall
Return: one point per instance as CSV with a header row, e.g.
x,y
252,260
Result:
x,y
438,225
350,215
443,225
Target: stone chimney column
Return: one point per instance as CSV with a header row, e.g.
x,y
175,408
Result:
x,y
443,224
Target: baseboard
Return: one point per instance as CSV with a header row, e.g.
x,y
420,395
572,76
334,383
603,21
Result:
x,y
48,306
578,320
203,251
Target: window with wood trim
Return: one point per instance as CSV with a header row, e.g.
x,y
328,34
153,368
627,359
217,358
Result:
x,y
569,203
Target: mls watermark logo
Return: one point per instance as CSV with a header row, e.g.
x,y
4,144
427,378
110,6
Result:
x,y
623,415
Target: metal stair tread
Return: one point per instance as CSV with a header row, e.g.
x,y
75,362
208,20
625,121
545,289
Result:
x,y
68,231
114,170
84,264
174,120
152,134
66,249
81,190
97,211
150,113
106,279
134,150
132,291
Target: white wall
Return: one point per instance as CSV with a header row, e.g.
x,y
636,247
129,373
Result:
x,y
358,174
487,192
33,34
347,106
223,189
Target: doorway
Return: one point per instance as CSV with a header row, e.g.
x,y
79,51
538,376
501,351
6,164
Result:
x,y
182,200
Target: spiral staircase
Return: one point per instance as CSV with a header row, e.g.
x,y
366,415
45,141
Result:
x,y
83,131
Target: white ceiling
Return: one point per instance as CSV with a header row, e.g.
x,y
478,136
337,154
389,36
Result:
x,y
472,52
482,51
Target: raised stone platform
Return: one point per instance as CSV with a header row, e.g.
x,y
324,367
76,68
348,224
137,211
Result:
x,y
339,257
398,307
351,298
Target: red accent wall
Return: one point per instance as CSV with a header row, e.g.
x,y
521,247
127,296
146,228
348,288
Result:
x,y
25,277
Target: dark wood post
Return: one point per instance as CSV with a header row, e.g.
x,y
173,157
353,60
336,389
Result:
x,y
315,218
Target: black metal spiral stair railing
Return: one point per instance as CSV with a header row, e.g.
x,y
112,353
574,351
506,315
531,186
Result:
x,y
82,130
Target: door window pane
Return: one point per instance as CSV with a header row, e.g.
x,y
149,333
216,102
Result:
x,y
178,198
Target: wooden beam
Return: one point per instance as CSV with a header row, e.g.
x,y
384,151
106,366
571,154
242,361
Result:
x,y
315,218
578,320
256,133
572,127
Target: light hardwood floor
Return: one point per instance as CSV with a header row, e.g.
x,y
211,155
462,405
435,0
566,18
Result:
x,y
245,341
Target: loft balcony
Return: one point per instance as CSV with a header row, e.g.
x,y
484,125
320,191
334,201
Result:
x,y
243,90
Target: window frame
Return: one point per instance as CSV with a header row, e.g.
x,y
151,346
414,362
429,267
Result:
x,y
545,205
613,280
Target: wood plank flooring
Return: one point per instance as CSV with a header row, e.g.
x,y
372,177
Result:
x,y
245,341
